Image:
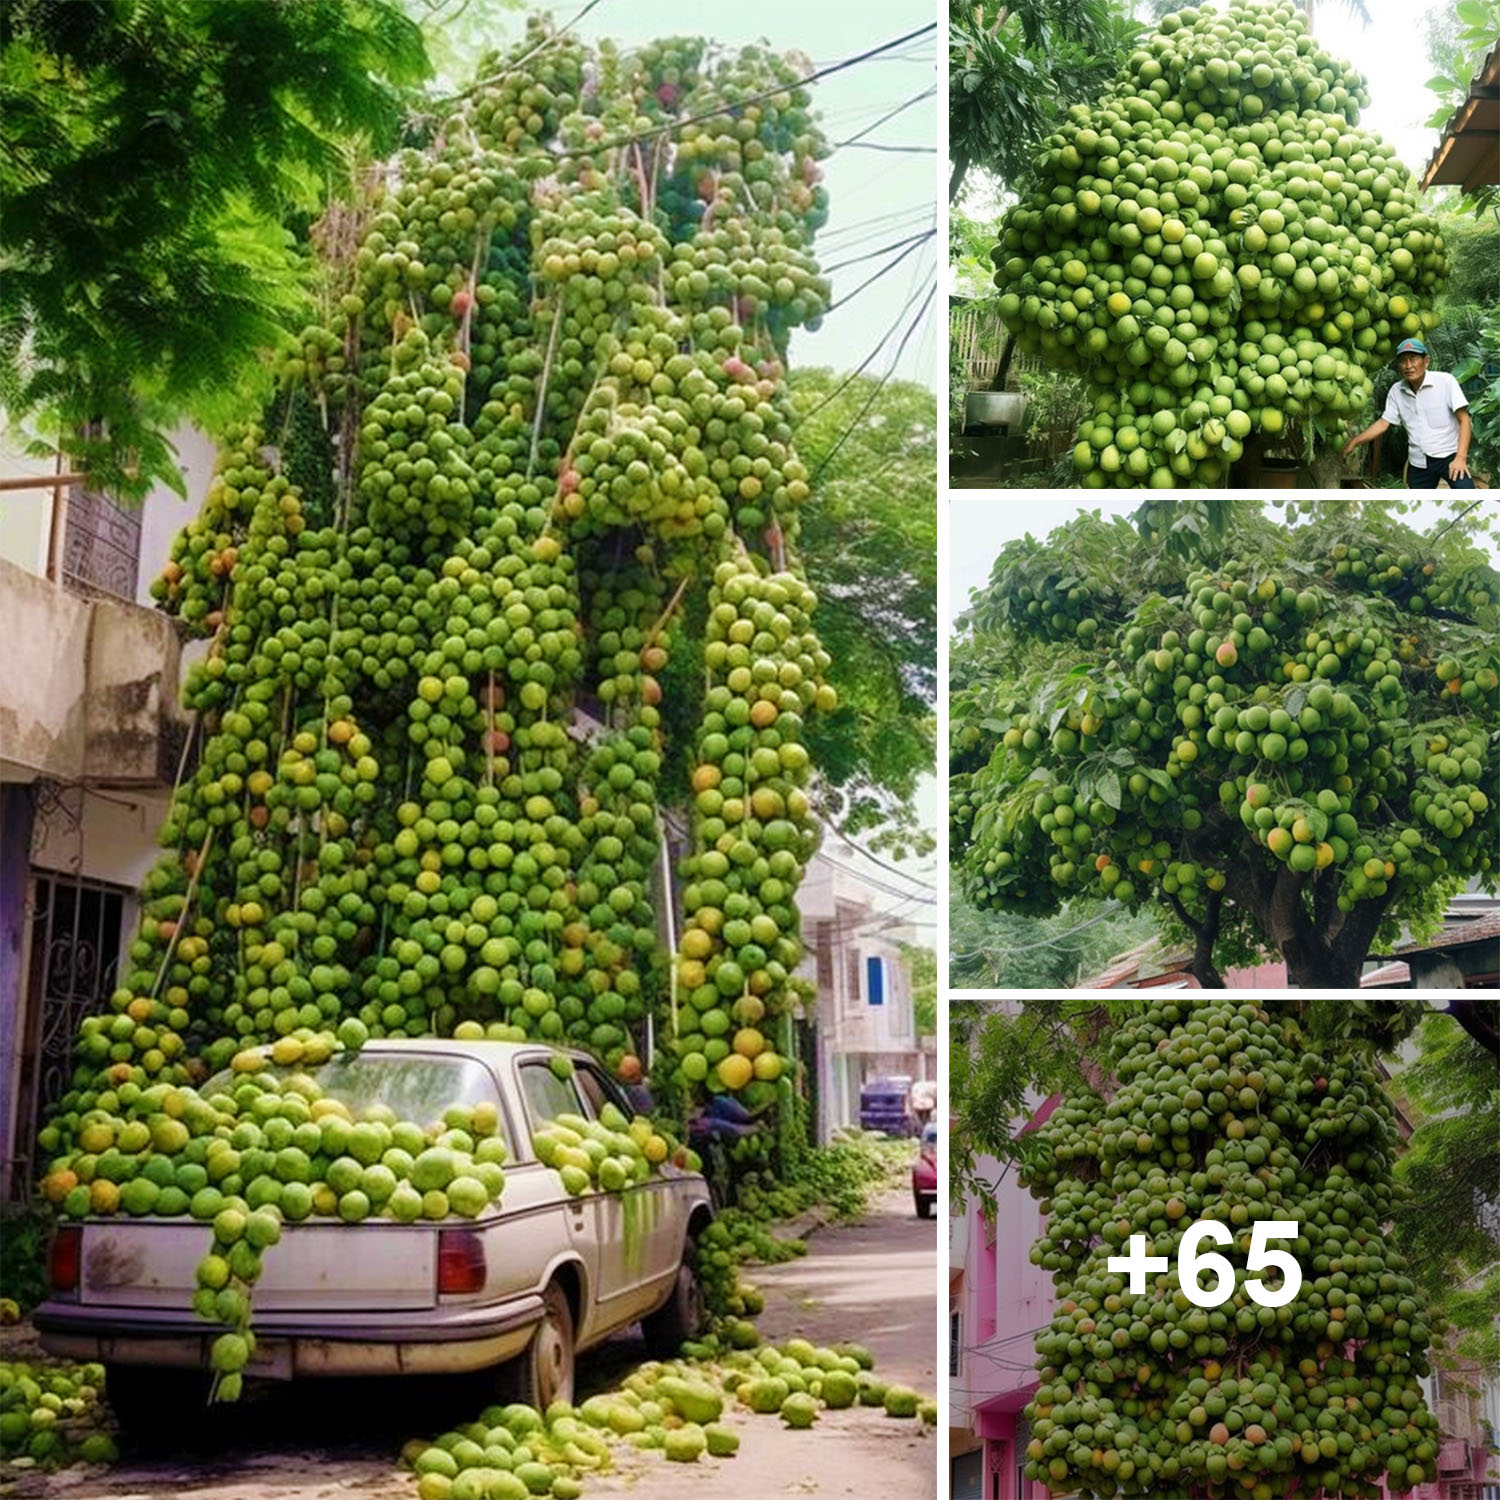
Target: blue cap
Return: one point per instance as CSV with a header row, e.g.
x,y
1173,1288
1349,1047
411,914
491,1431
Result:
x,y
1411,346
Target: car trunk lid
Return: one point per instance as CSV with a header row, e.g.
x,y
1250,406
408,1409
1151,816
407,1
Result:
x,y
315,1268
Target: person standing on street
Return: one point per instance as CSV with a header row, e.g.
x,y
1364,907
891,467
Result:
x,y
1432,407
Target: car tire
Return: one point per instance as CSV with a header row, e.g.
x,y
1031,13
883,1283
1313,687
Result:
x,y
924,1206
544,1373
683,1314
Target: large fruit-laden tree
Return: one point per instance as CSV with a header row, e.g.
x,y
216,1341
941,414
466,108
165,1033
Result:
x,y
1219,1110
532,472
1281,737
1218,249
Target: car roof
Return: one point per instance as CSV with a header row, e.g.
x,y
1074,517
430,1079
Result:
x,y
481,1047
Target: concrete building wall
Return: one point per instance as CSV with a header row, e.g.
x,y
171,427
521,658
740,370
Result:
x,y
97,697
26,515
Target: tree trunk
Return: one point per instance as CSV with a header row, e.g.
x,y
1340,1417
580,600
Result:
x,y
1002,370
1326,468
956,177
1478,1018
1324,948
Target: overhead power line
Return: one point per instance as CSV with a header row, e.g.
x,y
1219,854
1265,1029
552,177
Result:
x,y
883,250
860,368
884,270
884,379
889,115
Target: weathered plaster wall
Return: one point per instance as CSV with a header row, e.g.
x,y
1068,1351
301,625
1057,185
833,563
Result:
x,y
88,687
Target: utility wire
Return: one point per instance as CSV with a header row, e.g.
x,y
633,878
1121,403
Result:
x,y
883,250
860,415
885,269
884,865
890,115
1050,942
927,898
860,368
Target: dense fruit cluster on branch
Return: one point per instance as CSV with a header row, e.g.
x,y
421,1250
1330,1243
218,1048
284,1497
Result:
x,y
1219,1112
543,421
1323,719
1217,248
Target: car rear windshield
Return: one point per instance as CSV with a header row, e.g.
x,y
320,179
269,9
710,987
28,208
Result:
x,y
413,1086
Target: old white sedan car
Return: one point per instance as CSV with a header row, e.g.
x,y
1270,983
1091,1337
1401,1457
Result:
x,y
525,1285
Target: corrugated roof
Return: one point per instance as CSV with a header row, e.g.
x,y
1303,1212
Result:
x,y
1469,152
1458,931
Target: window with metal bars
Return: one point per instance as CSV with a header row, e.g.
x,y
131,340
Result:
x,y
74,956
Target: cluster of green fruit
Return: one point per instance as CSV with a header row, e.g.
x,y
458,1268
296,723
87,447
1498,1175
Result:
x,y
509,1453
796,1380
669,1407
415,483
752,828
51,1415
1217,248
1220,1112
268,1139
608,1153
730,1240
1283,707
389,821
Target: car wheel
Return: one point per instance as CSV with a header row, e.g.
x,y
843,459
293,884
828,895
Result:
x,y
924,1206
544,1373
683,1314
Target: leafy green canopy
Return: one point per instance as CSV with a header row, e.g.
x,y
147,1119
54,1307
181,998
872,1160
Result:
x,y
1447,1228
151,153
1217,248
1013,69
869,535
1283,737
1222,1110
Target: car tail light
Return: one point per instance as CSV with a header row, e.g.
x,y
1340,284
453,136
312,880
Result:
x,y
63,1258
461,1266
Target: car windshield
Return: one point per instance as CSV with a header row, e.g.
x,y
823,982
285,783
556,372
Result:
x,y
929,1136
413,1086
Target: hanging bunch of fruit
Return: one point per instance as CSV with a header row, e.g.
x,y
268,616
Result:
x,y
1218,249
1220,1112
445,587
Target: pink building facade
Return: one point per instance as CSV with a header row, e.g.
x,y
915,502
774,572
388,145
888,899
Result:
x,y
998,1301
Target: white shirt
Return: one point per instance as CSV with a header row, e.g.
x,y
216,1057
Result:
x,y
1427,414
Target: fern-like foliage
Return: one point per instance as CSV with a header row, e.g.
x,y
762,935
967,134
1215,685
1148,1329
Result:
x,y
150,155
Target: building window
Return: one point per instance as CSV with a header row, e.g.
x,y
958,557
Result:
x,y
851,975
966,1475
874,981
955,1342
823,948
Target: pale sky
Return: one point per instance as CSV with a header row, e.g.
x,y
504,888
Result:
x,y
897,189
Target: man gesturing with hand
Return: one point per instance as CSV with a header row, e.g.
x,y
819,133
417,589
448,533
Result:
x,y
1431,406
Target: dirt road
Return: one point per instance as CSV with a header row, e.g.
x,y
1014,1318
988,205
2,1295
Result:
x,y
874,1283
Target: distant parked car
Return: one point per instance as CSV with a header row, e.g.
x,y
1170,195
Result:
x,y
883,1105
924,1172
530,1281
